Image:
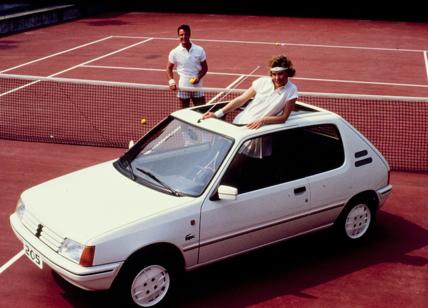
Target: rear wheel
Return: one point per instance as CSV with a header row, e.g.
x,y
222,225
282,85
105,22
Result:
x,y
357,220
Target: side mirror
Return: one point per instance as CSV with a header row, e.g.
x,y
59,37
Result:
x,y
227,192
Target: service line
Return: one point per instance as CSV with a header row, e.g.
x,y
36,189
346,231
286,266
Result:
x,y
296,78
279,43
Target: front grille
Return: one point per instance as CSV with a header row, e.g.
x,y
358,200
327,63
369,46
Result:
x,y
43,233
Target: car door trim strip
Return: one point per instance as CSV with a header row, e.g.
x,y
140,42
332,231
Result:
x,y
286,220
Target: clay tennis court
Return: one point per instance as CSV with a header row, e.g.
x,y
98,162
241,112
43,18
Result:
x,y
336,56
331,56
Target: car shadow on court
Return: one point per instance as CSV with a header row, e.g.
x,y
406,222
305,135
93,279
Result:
x,y
287,268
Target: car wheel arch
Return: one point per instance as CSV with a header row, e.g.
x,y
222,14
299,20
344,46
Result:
x,y
366,198
167,249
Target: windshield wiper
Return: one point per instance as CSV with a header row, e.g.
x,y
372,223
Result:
x,y
152,176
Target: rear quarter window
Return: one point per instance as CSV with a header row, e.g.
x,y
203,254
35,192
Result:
x,y
292,154
321,149
306,151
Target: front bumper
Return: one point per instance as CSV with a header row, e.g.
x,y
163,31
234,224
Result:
x,y
98,277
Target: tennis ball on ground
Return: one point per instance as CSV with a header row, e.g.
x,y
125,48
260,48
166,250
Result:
x,y
143,121
277,44
193,80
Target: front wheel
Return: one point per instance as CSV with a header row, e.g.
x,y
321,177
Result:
x,y
356,221
147,282
150,286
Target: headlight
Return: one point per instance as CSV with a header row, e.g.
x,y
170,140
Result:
x,y
20,209
78,253
71,250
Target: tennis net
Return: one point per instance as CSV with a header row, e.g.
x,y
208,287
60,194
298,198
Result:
x,y
102,113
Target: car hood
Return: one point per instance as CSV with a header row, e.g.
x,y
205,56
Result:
x,y
87,203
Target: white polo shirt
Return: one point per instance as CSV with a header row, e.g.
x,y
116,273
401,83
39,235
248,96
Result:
x,y
267,101
188,63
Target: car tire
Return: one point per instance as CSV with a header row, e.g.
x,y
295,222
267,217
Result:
x,y
148,280
356,221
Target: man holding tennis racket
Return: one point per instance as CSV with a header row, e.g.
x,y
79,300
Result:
x,y
191,62
274,97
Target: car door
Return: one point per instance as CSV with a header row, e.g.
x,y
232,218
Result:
x,y
269,206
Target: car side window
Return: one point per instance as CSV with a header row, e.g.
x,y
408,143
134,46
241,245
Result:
x,y
287,155
322,149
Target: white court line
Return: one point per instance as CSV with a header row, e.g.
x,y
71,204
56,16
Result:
x,y
11,261
73,67
426,62
365,82
56,54
101,57
256,76
280,44
85,64
230,86
156,70
19,88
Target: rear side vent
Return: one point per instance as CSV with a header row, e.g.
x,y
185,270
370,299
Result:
x,y
361,153
364,161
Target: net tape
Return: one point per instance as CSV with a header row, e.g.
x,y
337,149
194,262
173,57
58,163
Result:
x,y
102,113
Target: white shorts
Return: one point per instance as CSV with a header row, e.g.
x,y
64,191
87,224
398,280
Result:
x,y
189,94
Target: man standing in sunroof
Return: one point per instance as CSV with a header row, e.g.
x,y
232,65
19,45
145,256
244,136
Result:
x,y
191,62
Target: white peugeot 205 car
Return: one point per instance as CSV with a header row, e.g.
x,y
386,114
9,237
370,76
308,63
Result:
x,y
192,192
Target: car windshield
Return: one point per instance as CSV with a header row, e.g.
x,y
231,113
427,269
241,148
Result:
x,y
177,157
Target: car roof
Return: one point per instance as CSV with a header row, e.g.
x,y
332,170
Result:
x,y
302,115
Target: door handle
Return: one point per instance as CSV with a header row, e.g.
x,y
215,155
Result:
x,y
299,190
